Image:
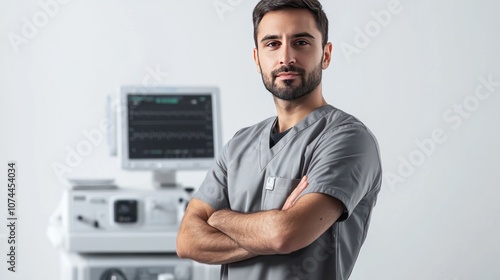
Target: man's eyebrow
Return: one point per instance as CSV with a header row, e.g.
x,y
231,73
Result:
x,y
270,37
297,35
303,34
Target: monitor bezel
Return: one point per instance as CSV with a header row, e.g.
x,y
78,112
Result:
x,y
174,164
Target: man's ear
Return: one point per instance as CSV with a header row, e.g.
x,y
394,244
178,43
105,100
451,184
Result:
x,y
256,58
327,55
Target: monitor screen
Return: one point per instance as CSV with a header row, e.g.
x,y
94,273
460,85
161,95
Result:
x,y
169,128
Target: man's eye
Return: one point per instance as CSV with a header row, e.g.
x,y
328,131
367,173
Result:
x,y
272,44
301,43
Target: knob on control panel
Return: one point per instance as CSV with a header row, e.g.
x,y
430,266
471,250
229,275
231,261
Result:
x,y
91,222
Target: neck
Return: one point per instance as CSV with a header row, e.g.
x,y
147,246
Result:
x,y
292,112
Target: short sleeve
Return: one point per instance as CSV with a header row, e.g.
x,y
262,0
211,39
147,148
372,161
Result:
x,y
346,165
213,189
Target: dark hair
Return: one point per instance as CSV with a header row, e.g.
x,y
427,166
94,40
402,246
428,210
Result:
x,y
314,6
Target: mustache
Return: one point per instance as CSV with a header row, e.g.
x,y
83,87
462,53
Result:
x,y
288,68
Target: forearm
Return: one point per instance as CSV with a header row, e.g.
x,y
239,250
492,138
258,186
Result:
x,y
280,231
203,243
263,233
256,232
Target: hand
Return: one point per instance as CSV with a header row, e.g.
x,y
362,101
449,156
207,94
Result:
x,y
290,201
212,220
219,217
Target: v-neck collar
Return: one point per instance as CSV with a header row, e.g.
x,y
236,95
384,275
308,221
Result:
x,y
266,154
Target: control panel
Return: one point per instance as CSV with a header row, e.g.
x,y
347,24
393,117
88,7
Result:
x,y
123,220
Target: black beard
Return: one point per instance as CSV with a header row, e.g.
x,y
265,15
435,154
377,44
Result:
x,y
288,92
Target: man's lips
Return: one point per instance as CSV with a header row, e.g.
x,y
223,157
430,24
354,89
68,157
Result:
x,y
287,75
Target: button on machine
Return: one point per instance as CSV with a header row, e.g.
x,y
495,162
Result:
x,y
125,211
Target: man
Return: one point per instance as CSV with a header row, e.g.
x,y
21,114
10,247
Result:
x,y
290,197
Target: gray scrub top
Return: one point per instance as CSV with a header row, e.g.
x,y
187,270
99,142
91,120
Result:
x,y
340,157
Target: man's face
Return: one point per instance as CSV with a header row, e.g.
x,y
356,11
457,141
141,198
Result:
x,y
290,56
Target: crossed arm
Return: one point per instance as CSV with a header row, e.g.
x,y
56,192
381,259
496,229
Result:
x,y
225,236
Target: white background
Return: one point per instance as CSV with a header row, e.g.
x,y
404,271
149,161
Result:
x,y
437,220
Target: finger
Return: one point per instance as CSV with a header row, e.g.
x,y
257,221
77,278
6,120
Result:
x,y
299,189
295,193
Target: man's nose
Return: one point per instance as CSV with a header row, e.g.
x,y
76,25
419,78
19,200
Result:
x,y
287,55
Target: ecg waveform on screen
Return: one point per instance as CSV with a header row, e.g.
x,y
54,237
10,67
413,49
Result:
x,y
161,126
163,135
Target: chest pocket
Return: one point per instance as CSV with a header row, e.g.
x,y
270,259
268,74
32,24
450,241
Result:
x,y
276,191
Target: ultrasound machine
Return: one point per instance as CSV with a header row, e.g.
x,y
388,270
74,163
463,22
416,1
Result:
x,y
109,232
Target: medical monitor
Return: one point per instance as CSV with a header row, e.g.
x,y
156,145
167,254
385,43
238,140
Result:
x,y
167,129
